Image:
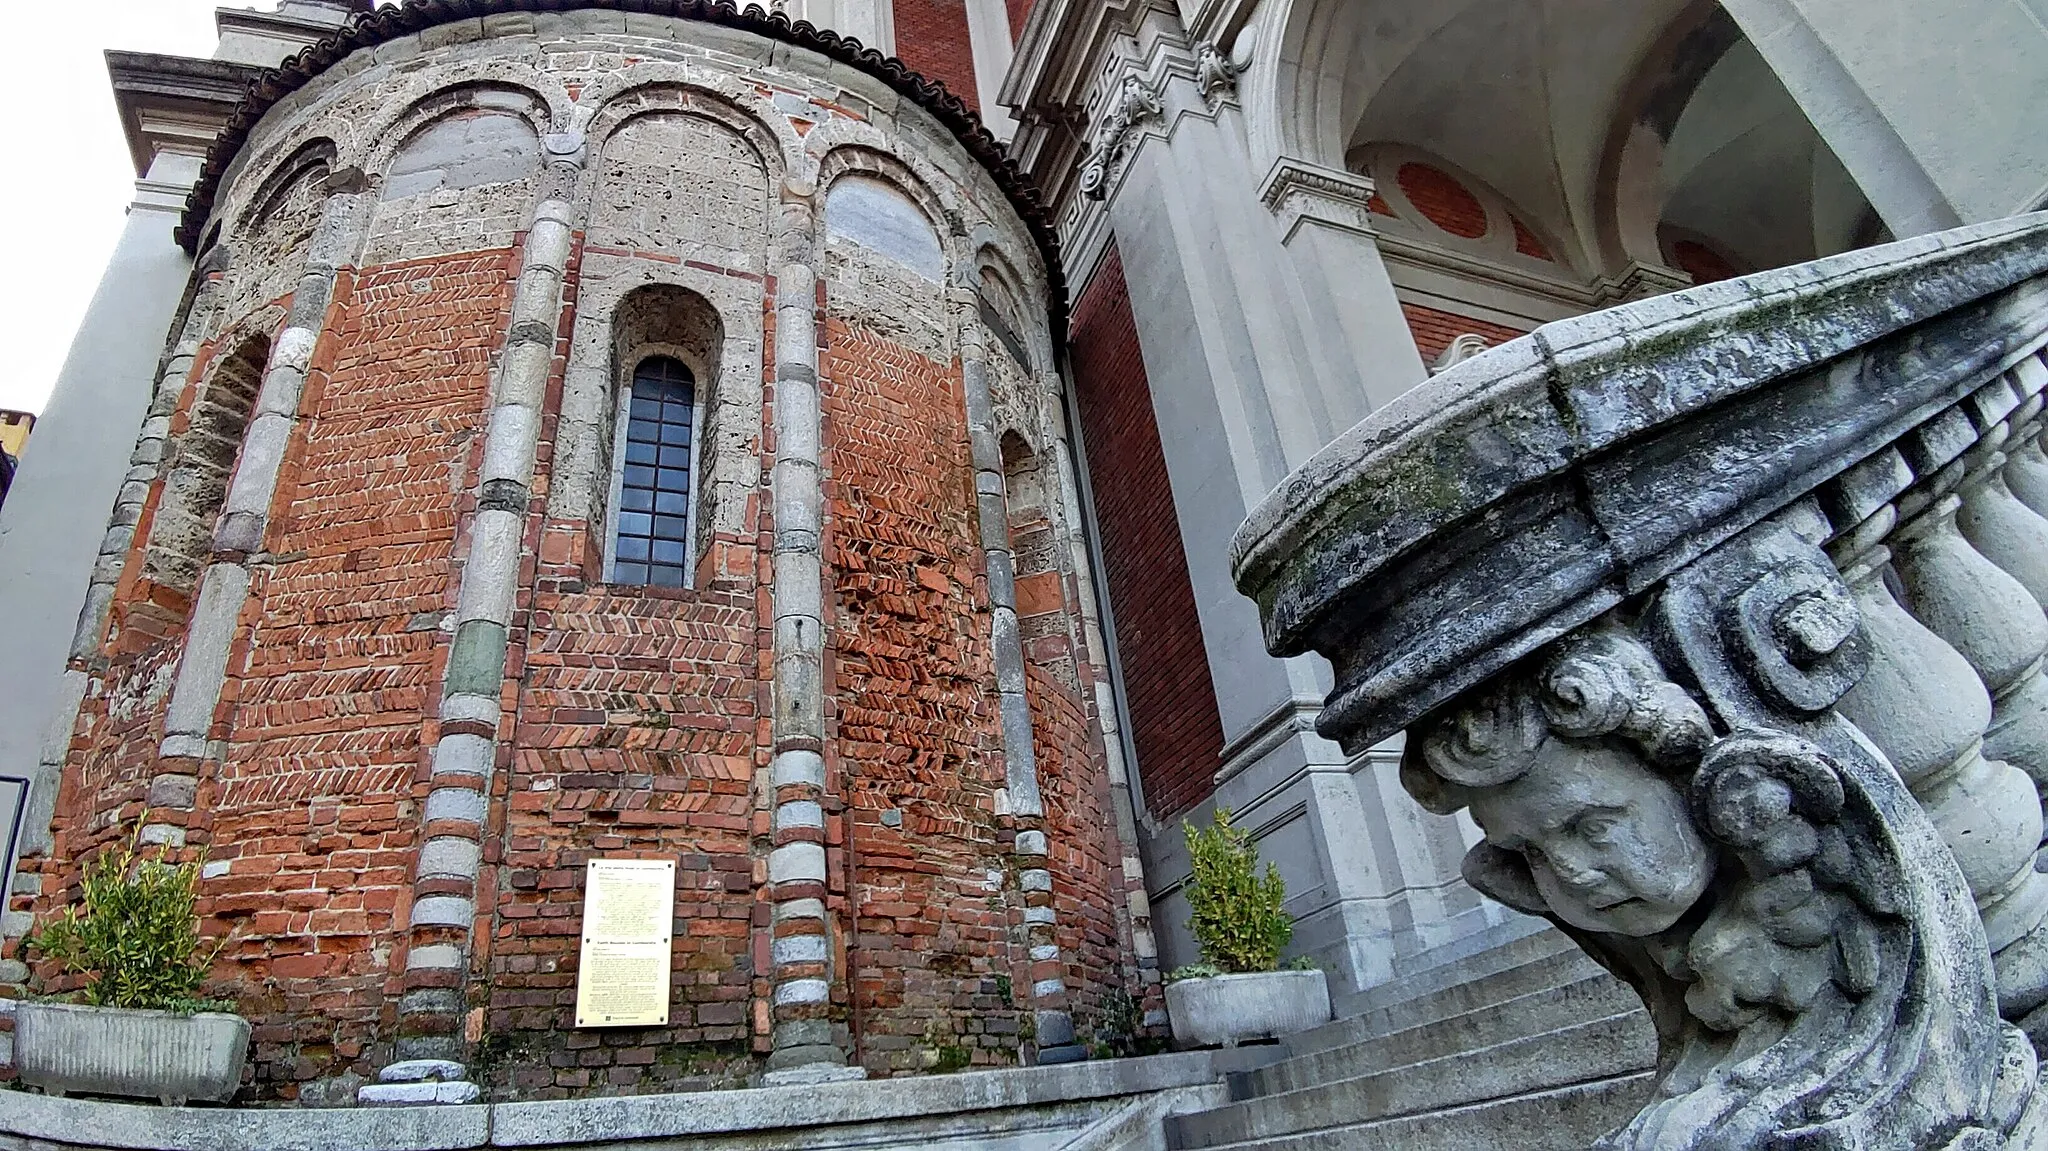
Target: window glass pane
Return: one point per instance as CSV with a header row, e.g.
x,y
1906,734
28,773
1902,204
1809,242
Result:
x,y
655,548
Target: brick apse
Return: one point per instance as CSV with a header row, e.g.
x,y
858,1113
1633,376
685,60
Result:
x,y
381,638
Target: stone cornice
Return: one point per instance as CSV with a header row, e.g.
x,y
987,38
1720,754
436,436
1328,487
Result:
x,y
174,102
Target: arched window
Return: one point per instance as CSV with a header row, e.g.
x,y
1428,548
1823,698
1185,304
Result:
x,y
657,433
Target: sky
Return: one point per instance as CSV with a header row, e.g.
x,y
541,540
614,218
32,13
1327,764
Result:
x,y
67,180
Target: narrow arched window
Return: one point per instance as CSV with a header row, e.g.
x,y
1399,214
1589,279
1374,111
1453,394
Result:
x,y
657,432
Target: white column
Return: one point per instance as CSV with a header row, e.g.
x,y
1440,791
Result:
x,y
1939,110
71,475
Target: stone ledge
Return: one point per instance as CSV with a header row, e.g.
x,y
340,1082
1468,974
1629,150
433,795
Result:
x,y
47,1124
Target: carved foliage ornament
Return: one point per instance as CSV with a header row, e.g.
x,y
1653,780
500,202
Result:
x,y
1792,942
1133,104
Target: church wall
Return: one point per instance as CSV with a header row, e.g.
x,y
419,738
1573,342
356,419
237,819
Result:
x,y
1174,721
634,721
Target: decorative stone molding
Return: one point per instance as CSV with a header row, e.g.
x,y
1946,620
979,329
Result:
x,y
1215,74
1296,192
1134,103
1673,600
1463,348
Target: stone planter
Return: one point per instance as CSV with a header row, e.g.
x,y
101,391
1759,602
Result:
x,y
1226,1010
63,1048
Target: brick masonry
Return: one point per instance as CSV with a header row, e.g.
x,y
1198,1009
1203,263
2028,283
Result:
x,y
1175,724
931,36
635,721
1434,330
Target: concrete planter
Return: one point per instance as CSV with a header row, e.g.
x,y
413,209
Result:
x,y
63,1048
1226,1010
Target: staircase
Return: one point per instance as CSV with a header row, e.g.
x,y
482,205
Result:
x,y
1530,1045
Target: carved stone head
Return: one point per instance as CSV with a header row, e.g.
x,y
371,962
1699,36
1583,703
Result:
x,y
1579,776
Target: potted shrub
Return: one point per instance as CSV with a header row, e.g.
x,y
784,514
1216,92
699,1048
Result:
x,y
142,1029
1239,991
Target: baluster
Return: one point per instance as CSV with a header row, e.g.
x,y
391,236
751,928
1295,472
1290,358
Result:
x,y
1925,707
2005,531
2026,473
1991,619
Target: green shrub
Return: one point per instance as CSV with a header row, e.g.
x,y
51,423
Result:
x,y
135,934
1238,919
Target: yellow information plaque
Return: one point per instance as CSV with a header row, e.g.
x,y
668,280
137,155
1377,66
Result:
x,y
628,923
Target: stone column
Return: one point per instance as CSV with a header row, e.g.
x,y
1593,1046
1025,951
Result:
x,y
808,1045
224,587
1054,1021
1940,111
444,904
56,516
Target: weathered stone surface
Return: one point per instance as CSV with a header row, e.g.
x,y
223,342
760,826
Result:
x,y
1590,581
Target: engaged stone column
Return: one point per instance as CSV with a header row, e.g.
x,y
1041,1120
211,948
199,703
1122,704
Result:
x,y
808,1045
444,905
224,587
1053,1020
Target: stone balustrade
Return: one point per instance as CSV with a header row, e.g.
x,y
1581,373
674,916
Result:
x,y
1722,613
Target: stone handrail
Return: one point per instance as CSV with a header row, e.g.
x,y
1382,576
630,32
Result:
x,y
1721,612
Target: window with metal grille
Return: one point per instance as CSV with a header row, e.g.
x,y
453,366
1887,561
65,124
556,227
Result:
x,y
652,542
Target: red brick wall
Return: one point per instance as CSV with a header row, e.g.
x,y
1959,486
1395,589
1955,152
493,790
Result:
x,y
640,729
1434,330
931,37
1174,721
1447,203
1073,776
914,720
1020,12
316,805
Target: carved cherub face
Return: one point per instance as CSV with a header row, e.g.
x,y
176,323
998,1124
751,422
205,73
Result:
x,y
1610,843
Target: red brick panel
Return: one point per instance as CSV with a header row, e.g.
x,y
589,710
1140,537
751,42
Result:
x,y
315,805
1020,13
931,37
1175,725
1074,780
1443,200
1434,330
917,735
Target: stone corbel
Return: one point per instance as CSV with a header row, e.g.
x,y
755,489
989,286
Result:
x,y
1298,192
1134,103
1215,74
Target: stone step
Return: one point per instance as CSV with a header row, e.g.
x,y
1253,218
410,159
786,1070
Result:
x,y
1489,938
1595,997
1599,1049
1456,964
1560,1119
1553,969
